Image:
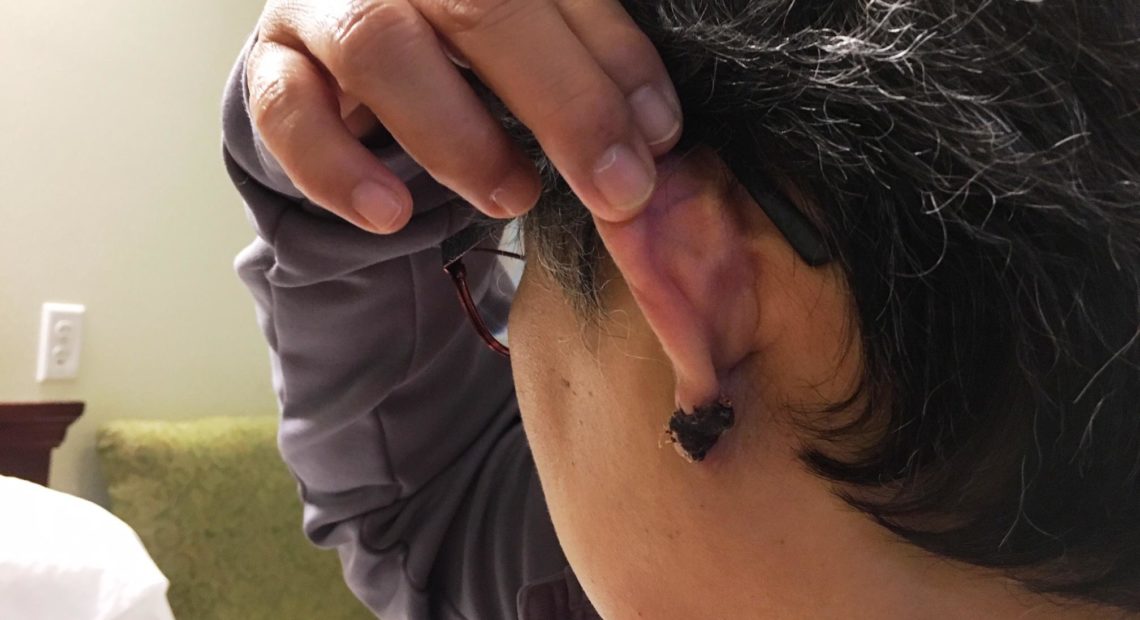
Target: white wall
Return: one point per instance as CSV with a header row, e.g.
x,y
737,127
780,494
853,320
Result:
x,y
112,194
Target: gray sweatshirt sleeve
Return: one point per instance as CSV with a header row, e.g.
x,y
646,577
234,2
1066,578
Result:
x,y
398,423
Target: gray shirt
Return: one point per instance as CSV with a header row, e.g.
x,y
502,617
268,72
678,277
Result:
x,y
400,426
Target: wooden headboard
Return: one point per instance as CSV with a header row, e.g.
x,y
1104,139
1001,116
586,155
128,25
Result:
x,y
28,434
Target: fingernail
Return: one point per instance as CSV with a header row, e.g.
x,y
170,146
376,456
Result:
x,y
378,204
623,178
517,194
658,119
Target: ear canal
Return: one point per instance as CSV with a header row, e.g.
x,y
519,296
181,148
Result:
x,y
686,261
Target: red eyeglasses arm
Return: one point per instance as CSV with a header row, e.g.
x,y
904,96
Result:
x,y
458,273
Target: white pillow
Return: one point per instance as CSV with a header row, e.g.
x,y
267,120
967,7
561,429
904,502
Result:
x,y
62,557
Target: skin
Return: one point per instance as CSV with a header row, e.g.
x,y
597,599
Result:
x,y
747,533
589,85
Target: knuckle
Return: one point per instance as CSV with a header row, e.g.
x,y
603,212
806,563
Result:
x,y
276,20
366,31
459,16
272,104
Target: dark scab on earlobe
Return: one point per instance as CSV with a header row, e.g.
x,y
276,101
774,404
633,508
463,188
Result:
x,y
694,434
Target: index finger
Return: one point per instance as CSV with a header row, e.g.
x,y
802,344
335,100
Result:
x,y
298,118
527,53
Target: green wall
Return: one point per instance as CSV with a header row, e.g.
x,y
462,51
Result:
x,y
112,194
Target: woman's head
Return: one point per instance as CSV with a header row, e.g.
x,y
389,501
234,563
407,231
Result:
x,y
965,373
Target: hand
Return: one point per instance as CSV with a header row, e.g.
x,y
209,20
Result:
x,y
578,73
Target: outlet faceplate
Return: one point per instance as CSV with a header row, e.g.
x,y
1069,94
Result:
x,y
61,337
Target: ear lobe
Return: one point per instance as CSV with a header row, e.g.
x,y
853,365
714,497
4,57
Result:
x,y
687,260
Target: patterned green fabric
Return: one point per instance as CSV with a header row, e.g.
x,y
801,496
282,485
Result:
x,y
218,511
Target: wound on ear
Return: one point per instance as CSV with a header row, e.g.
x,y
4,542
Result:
x,y
694,434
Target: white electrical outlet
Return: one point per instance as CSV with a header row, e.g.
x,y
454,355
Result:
x,y
61,335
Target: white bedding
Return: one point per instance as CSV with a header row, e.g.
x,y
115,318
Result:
x,y
64,558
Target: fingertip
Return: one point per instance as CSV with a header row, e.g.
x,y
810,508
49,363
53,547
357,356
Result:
x,y
517,194
387,209
658,116
625,178
664,147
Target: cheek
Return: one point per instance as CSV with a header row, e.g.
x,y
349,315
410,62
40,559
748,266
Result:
x,y
584,431
594,406
539,361
561,390
647,534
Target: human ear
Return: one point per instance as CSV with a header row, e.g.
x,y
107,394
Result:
x,y
692,263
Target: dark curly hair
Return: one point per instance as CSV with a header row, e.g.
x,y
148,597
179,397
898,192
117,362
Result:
x,y
974,166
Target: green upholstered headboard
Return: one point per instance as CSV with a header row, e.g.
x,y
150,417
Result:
x,y
218,510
